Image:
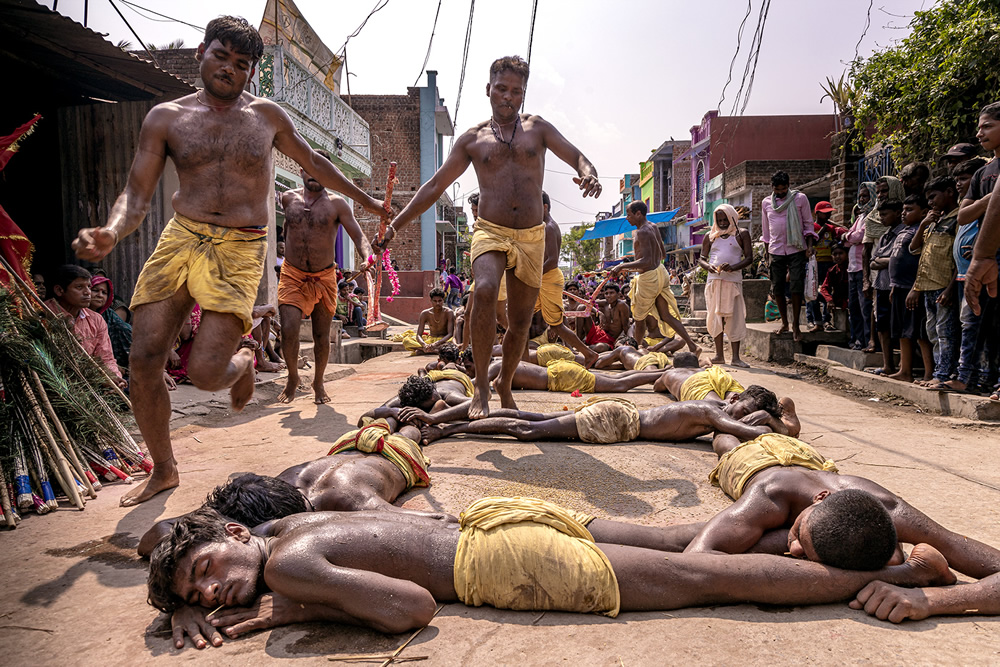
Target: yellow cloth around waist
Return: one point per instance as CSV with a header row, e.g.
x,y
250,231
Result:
x,y
409,340
550,297
529,554
452,374
524,248
304,289
646,287
606,420
713,378
374,438
766,451
569,376
550,352
652,360
221,266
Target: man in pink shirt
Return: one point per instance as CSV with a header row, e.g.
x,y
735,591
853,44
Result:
x,y
788,237
71,285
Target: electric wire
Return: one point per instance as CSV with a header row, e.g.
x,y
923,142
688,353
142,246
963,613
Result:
x,y
531,39
134,7
461,76
134,33
428,56
379,5
739,39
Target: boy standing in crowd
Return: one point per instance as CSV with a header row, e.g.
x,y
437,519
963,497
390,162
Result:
x,y
907,316
835,286
818,311
890,218
936,276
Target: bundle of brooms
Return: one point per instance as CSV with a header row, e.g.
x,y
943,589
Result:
x,y
61,416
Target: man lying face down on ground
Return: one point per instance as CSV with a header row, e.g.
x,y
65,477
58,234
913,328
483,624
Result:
x,y
366,469
389,571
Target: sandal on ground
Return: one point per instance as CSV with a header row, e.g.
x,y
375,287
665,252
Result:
x,y
876,371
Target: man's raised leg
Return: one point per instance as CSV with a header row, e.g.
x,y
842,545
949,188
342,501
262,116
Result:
x,y
663,308
520,308
217,361
155,328
488,268
571,339
321,319
291,320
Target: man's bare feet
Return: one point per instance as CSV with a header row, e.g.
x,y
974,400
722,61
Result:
x,y
739,363
505,394
479,408
288,393
270,367
717,361
589,357
430,434
928,567
782,329
796,334
901,376
319,389
242,390
163,477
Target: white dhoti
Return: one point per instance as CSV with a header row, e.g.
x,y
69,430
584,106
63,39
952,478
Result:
x,y
727,313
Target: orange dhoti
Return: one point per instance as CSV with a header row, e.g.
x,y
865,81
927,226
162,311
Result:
x,y
304,289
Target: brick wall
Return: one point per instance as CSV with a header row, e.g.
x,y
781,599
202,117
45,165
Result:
x,y
394,121
755,176
844,184
681,195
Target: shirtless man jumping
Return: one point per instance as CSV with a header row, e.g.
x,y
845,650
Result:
x,y
388,571
650,293
308,284
220,140
508,153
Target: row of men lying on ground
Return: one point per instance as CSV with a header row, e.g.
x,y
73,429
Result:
x,y
323,541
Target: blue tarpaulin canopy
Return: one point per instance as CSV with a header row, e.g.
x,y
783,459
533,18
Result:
x,y
615,226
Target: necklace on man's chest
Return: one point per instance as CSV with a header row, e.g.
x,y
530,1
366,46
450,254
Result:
x,y
498,132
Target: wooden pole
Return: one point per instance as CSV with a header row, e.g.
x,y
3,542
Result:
x,y
68,445
48,444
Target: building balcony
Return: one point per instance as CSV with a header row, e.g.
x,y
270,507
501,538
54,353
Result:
x,y
325,120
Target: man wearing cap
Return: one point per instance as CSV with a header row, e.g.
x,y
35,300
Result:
x,y
818,312
788,235
958,154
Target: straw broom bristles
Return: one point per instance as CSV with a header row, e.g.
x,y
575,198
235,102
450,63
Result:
x,y
10,519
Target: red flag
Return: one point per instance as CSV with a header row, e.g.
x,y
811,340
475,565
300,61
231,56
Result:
x,y
14,245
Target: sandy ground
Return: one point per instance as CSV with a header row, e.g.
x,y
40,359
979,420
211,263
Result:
x,y
74,590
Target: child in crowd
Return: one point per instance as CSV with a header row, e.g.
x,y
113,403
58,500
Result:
x,y
908,315
859,303
889,217
71,286
818,311
935,279
834,290
349,309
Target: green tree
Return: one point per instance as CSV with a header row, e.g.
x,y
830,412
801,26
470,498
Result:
x,y
924,93
584,254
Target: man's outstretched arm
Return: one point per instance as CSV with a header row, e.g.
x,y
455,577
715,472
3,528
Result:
x,y
571,155
456,164
345,213
895,604
288,140
739,527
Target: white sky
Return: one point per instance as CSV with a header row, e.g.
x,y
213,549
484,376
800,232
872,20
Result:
x,y
616,78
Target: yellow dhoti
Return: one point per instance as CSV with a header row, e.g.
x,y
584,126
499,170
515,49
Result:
x,y
645,289
221,266
605,420
402,452
652,360
550,352
713,378
550,297
452,374
569,376
524,248
529,554
411,344
766,451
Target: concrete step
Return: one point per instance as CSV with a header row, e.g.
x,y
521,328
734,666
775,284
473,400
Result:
x,y
968,406
763,342
855,359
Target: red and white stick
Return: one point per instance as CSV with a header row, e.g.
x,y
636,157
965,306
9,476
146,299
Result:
x,y
375,322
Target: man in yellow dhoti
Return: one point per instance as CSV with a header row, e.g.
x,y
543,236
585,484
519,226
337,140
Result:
x,y
508,153
512,553
650,291
221,139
